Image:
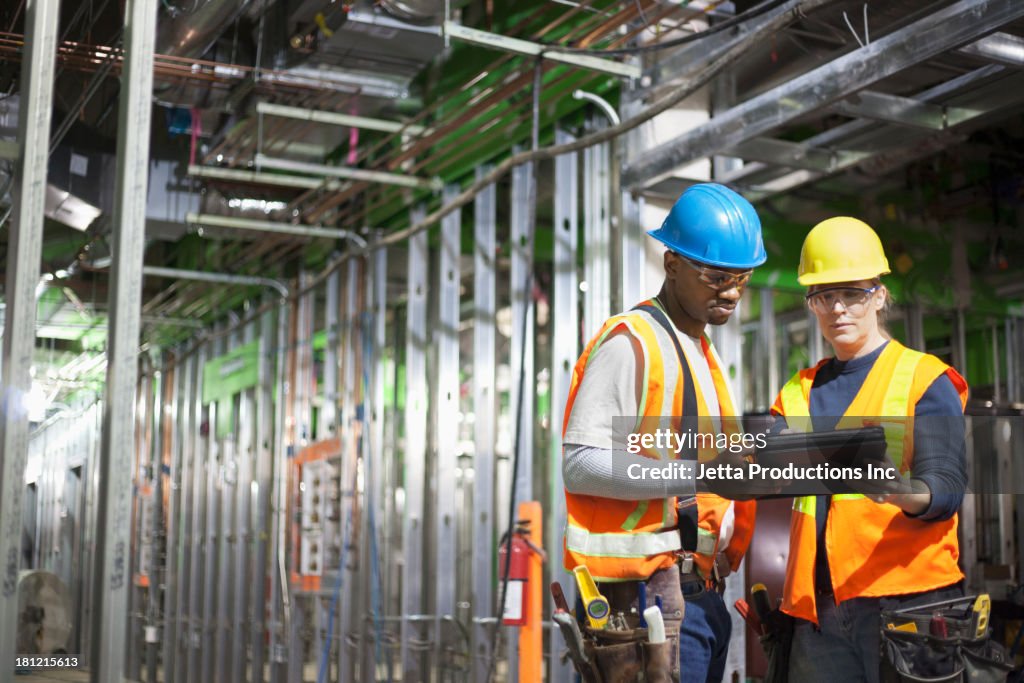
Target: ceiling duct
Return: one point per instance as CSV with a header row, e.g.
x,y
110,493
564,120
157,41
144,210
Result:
x,y
419,11
391,39
192,33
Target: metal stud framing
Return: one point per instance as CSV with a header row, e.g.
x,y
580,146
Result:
x,y
523,217
350,437
597,237
24,252
484,413
447,397
118,442
280,598
523,220
175,561
245,450
415,450
198,528
215,644
631,248
563,357
326,425
373,457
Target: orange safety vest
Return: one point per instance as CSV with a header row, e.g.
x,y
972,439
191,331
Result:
x,y
621,540
874,550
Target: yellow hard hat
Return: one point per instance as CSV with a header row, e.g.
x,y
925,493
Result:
x,y
841,249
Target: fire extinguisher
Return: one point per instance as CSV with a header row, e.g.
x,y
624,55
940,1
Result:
x,y
514,610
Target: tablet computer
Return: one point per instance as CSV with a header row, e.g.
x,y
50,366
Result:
x,y
841,448
846,453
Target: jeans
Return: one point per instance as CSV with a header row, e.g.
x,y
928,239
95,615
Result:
x,y
845,645
703,636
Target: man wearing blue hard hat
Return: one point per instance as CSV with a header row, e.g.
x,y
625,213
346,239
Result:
x,y
648,363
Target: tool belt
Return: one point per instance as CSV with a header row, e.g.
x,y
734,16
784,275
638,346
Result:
x,y
942,641
625,656
621,652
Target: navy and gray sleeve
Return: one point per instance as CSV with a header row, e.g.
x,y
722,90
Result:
x,y
940,449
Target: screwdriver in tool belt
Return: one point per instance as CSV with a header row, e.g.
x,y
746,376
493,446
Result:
x,y
641,602
559,596
762,604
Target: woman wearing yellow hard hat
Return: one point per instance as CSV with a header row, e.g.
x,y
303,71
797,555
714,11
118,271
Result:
x,y
853,555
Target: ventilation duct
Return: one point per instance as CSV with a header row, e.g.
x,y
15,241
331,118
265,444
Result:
x,y
192,33
419,11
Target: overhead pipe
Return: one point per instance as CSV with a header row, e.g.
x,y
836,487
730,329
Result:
x,y
234,222
223,278
602,104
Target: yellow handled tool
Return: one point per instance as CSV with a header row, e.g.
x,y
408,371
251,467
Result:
x,y
909,626
594,603
982,608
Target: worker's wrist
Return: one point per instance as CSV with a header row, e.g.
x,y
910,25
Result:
x,y
917,501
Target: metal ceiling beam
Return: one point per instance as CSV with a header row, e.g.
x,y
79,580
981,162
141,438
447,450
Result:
x,y
210,220
24,250
336,119
840,134
707,48
938,32
1002,97
1002,48
256,178
792,154
525,47
902,111
383,177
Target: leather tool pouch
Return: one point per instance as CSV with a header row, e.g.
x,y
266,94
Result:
x,y
625,656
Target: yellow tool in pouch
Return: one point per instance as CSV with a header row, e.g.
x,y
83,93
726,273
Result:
x,y
594,603
909,627
982,609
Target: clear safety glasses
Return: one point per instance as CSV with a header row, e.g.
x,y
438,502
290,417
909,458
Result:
x,y
853,299
719,280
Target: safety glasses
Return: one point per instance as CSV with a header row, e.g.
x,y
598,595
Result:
x,y
719,280
852,299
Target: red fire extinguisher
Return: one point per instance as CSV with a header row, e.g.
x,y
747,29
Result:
x,y
514,611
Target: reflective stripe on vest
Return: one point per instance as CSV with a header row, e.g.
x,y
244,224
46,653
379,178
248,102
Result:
x,y
620,545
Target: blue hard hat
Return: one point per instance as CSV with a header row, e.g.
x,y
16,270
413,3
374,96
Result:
x,y
712,224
